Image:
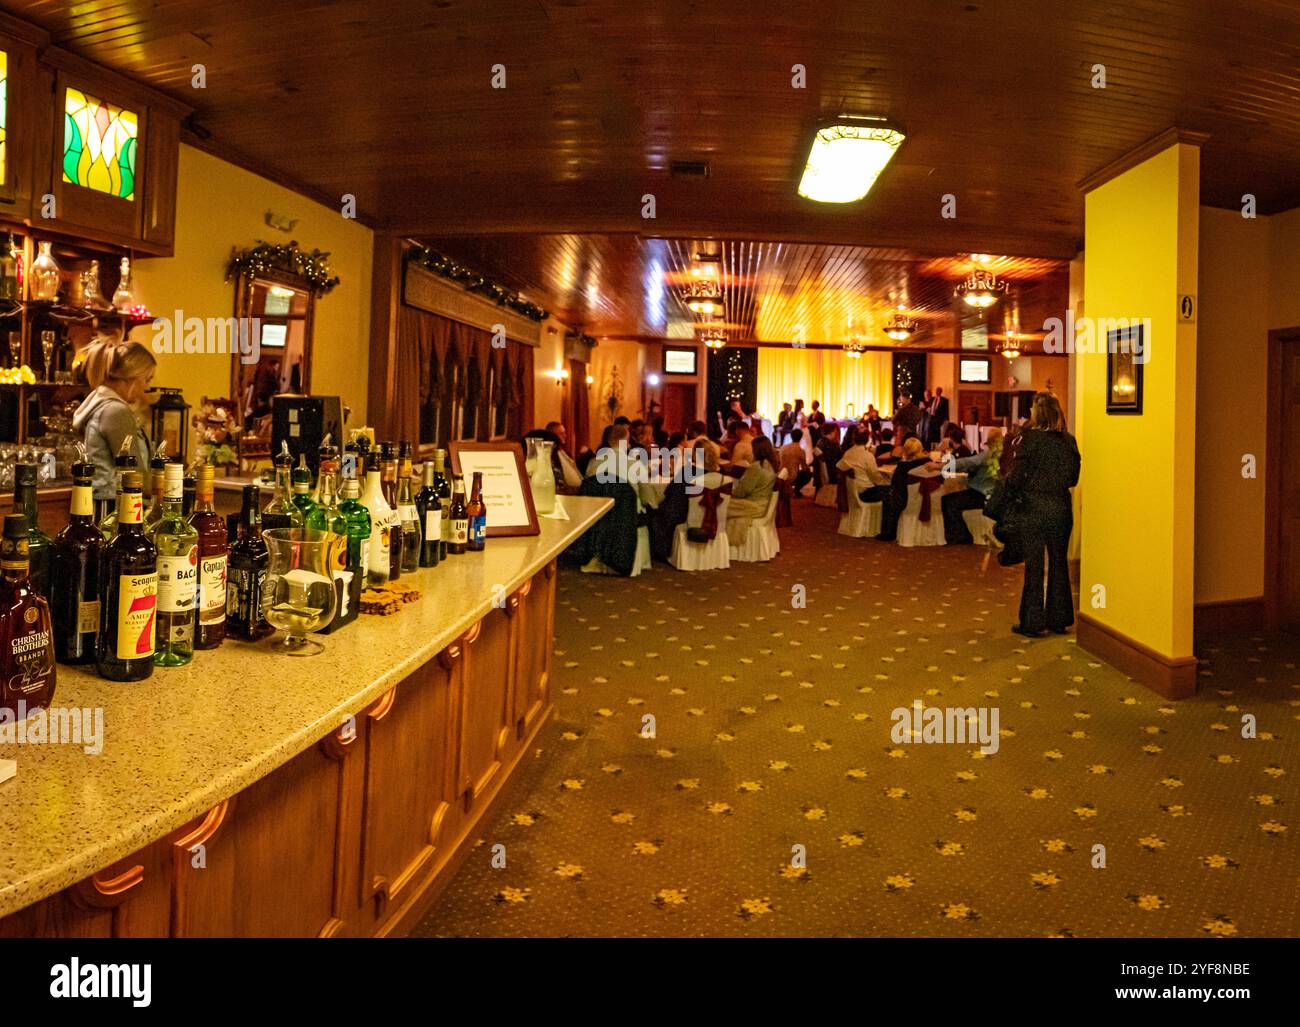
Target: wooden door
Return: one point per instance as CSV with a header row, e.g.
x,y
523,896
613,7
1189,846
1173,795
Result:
x,y
1283,479
679,405
972,399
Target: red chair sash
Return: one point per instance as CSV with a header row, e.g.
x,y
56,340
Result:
x,y
709,500
928,486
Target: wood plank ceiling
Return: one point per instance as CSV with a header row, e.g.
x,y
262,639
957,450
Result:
x,y
630,286
392,102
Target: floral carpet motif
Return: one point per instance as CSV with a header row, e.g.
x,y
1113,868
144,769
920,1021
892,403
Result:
x,y
767,795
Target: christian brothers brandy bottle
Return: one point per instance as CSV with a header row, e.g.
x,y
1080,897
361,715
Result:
x,y
26,634
246,593
74,574
130,576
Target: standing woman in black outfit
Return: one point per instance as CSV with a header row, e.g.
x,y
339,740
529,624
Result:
x,y
1046,468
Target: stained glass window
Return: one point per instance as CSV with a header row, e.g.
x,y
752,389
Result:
x,y
99,145
4,109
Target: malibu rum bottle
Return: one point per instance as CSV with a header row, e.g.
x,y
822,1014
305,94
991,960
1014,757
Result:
x,y
74,574
210,603
459,534
428,506
383,522
27,671
178,573
406,511
477,516
246,593
130,575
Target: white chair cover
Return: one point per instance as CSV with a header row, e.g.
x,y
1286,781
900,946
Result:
x,y
701,556
762,543
912,531
827,494
643,561
863,520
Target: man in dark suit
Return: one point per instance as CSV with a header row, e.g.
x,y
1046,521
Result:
x,y
939,415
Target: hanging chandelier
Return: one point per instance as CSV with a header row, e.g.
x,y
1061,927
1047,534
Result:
x,y
853,348
900,327
713,338
703,297
981,288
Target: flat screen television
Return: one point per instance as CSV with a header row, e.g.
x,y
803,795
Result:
x,y
975,371
975,338
679,360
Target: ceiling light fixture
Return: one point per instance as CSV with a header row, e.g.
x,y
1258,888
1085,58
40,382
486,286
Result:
x,y
703,297
981,288
713,338
853,348
846,157
900,327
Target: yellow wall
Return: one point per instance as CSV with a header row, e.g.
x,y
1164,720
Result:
x,y
1231,387
1137,536
220,206
629,356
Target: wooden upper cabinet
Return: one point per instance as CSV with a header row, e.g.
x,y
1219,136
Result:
x,y
109,157
23,115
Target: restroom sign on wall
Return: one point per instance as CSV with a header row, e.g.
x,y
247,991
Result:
x,y
1187,307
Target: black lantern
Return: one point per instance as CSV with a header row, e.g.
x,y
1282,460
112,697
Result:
x,y
171,422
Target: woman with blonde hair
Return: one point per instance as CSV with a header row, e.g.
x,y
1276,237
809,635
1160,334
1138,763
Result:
x,y
118,373
1046,468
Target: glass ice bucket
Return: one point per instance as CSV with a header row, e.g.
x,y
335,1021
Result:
x,y
541,475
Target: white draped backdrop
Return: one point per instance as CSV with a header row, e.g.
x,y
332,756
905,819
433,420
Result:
x,y
828,376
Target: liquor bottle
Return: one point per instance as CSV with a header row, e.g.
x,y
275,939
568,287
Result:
x,y
246,593
428,507
178,570
38,543
214,551
383,522
130,580
327,456
442,486
477,516
189,494
459,534
27,670
300,477
324,514
280,511
388,482
157,479
356,526
8,271
74,574
406,511
106,509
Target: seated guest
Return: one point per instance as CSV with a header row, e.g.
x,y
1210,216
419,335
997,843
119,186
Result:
x,y
742,452
983,471
885,449
730,436
614,462
872,485
794,462
749,496
914,456
954,441
566,470
826,451
784,423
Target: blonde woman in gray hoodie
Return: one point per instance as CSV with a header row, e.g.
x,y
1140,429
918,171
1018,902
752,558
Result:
x,y
118,373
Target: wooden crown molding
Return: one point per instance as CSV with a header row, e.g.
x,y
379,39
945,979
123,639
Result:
x,y
69,63
1139,154
24,31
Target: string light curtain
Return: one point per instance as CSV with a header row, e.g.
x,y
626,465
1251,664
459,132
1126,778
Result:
x,y
786,373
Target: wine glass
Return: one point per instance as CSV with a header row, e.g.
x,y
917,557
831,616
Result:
x,y
302,595
47,351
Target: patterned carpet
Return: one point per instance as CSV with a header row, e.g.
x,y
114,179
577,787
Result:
x,y
773,731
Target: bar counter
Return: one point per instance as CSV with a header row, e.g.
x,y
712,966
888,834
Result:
x,y
252,793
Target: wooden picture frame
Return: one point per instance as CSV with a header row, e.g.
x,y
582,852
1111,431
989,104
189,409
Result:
x,y
505,484
1125,355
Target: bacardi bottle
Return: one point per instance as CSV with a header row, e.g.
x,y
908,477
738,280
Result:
x,y
178,572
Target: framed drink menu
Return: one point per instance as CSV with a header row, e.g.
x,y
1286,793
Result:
x,y
506,492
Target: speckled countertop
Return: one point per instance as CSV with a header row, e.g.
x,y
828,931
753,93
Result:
x,y
177,744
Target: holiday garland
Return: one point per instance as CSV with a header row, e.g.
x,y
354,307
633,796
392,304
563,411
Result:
x,y
265,256
472,281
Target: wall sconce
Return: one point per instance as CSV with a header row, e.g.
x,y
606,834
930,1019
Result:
x,y
560,375
652,380
591,380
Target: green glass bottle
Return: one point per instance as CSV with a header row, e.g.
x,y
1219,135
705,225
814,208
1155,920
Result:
x,y
280,512
177,543
356,526
301,480
324,515
38,543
